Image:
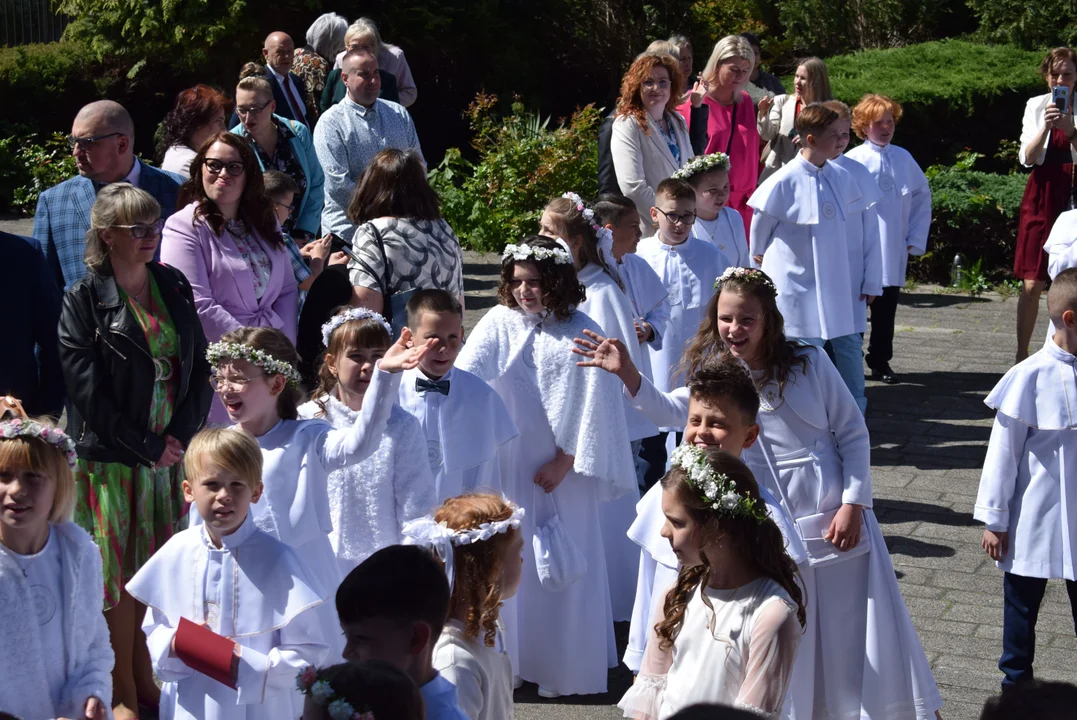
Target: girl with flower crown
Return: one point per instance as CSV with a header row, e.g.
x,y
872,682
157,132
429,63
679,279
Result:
x,y
257,381
57,660
572,453
716,222
861,655
728,630
478,537
369,500
364,690
606,303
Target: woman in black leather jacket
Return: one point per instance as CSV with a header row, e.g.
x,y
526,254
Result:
x,y
134,360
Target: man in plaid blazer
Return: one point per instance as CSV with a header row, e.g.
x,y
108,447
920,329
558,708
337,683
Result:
x,y
102,139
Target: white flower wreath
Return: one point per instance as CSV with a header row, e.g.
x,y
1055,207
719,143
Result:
x,y
750,275
349,315
560,256
21,427
604,235
716,489
701,164
440,538
220,351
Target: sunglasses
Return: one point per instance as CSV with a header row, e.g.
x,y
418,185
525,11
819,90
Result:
x,y
141,231
87,142
215,167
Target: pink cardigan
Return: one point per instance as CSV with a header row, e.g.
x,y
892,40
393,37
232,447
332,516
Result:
x,y
222,281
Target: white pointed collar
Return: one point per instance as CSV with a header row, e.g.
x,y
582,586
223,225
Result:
x,y
231,542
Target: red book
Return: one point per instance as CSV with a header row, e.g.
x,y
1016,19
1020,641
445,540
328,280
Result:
x,y
207,652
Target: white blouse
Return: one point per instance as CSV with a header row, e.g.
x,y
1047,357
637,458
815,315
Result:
x,y
736,648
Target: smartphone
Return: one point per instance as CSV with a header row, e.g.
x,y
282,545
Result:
x,y
338,245
1060,97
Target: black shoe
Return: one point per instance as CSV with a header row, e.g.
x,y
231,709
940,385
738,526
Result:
x,y
884,374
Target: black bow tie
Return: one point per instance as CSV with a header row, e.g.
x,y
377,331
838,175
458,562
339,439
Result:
x,y
423,385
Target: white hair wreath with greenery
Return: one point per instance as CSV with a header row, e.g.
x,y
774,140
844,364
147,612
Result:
x,y
220,351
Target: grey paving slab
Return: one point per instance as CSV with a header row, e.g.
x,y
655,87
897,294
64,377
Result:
x,y
929,436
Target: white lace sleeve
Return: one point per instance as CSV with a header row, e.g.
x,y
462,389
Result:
x,y
776,634
644,699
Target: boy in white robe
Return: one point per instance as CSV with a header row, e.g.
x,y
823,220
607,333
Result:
x,y
1061,249
464,420
687,267
1030,478
238,581
716,222
904,218
799,238
393,608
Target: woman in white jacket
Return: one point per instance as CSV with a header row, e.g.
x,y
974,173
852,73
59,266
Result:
x,y
777,127
650,138
1049,147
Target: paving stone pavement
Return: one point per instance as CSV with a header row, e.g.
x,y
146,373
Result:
x,y
929,435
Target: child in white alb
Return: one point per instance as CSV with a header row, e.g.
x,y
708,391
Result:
x,y
478,538
370,500
799,238
687,267
1061,249
716,222
904,218
1029,474
258,382
238,582
572,454
464,422
57,659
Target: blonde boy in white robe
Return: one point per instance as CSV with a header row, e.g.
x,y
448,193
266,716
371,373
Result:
x,y
238,581
465,421
1030,479
799,238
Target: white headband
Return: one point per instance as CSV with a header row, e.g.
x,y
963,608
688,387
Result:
x,y
352,314
440,538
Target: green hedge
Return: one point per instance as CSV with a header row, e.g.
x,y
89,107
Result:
x,y
973,213
955,94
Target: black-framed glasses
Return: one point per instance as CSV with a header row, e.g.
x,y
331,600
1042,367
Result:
x,y
141,231
289,208
686,218
87,142
252,109
215,167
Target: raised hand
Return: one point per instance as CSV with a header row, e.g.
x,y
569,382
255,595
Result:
x,y
765,104
609,354
403,354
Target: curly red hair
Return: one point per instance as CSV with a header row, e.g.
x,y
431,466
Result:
x,y
630,102
870,108
477,581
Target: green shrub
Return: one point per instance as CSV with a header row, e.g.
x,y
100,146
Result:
x,y
522,163
46,84
1039,24
955,94
975,214
29,166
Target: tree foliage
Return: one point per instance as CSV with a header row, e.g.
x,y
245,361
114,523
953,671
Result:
x,y
1030,25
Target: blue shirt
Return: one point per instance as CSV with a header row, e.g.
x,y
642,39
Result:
x,y
440,697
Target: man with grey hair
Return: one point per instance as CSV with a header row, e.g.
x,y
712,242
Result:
x,y
352,132
102,141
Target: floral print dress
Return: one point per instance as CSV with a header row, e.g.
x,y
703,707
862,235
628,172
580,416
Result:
x,y
132,512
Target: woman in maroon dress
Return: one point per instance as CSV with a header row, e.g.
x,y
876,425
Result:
x,y
1049,147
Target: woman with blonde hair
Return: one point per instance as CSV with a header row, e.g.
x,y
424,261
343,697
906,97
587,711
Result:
x,y
731,123
777,128
134,361
363,34
650,140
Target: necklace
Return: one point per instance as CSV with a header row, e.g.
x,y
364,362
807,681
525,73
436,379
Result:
x,y
136,295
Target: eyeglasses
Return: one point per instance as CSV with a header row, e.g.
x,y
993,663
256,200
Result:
x,y
289,208
235,169
87,142
238,384
252,110
652,84
141,231
675,218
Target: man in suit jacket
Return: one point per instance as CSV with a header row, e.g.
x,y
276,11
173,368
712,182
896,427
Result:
x,y
289,90
102,139
33,377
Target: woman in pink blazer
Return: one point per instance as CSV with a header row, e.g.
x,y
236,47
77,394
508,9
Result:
x,y
227,242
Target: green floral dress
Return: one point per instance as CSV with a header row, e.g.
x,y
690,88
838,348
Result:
x,y
132,512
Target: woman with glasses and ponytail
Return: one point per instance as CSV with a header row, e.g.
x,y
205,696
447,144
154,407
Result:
x,y
133,357
227,241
